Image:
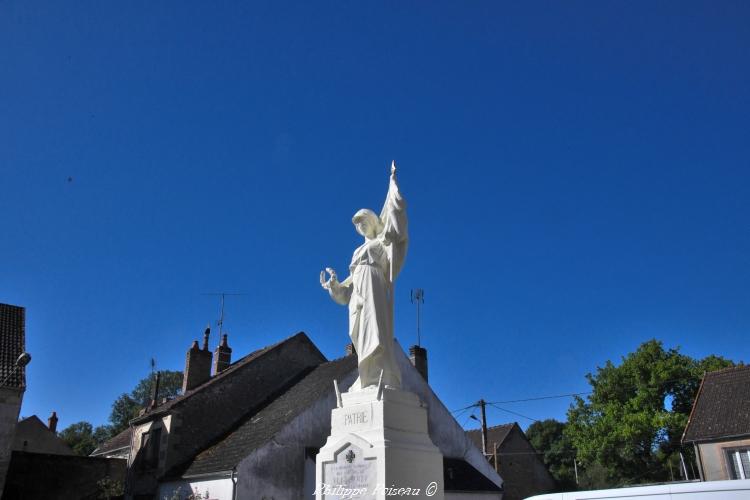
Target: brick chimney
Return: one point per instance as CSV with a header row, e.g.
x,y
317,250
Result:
x,y
350,350
197,364
52,422
222,356
418,357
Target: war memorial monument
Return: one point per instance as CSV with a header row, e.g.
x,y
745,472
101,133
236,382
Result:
x,y
379,445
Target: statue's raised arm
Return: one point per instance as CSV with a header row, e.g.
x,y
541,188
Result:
x,y
395,232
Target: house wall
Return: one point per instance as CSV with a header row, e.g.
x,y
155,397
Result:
x,y
147,480
523,471
713,458
277,469
10,406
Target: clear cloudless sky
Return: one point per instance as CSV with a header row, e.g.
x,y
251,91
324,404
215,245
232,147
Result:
x,y
578,179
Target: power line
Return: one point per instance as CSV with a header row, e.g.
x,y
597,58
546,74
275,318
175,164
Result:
x,y
543,397
513,412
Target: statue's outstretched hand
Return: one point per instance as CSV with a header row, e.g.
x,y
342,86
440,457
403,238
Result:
x,y
332,281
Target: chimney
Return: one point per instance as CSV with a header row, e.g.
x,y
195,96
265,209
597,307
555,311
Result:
x,y
222,356
197,364
52,422
418,357
350,350
155,391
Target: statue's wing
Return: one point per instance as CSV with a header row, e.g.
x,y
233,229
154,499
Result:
x,y
395,227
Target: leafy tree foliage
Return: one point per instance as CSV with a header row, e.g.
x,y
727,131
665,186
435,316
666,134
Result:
x,y
547,437
631,424
127,406
83,438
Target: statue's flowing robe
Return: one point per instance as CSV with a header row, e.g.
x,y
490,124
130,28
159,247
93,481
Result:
x,y
374,268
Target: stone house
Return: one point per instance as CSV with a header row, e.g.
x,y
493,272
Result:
x,y
252,428
518,463
12,378
719,425
32,436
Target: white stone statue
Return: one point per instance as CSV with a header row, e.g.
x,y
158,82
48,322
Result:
x,y
369,288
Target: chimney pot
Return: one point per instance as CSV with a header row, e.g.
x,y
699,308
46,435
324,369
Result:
x,y
52,422
206,333
222,356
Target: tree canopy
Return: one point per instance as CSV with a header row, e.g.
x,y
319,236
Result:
x,y
126,407
631,424
83,438
547,437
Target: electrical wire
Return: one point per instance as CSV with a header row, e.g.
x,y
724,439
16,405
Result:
x,y
513,412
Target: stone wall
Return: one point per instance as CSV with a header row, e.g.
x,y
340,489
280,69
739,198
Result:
x,y
10,406
59,477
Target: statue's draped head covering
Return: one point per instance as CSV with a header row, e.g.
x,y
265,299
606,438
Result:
x,y
368,215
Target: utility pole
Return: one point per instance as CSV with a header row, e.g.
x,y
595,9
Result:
x,y
575,468
481,404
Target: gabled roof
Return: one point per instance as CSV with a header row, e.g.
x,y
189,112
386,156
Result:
x,y
259,427
722,406
118,442
35,437
211,410
229,372
12,344
496,434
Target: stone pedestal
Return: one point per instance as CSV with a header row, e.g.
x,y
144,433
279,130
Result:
x,y
379,449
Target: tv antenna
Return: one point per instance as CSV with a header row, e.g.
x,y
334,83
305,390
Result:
x,y
417,296
220,322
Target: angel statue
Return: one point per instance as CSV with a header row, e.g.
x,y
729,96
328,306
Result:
x,y
369,288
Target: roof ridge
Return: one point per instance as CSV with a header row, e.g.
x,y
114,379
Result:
x,y
737,367
219,376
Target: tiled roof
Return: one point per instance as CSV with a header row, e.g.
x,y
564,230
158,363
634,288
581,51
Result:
x,y
211,410
460,475
257,428
122,440
496,434
12,344
216,379
722,406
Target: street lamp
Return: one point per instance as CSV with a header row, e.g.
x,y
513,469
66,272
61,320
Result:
x,y
23,359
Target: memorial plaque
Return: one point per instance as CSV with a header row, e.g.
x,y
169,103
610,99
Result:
x,y
349,476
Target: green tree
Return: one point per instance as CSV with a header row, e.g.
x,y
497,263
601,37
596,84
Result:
x,y
83,438
547,437
631,424
127,406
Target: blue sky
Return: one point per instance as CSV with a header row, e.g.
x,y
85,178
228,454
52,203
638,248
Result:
x,y
578,179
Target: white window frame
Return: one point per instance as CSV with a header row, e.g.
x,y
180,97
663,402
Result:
x,y
734,456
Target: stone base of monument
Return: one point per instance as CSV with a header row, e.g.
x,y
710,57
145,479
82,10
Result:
x,y
379,448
